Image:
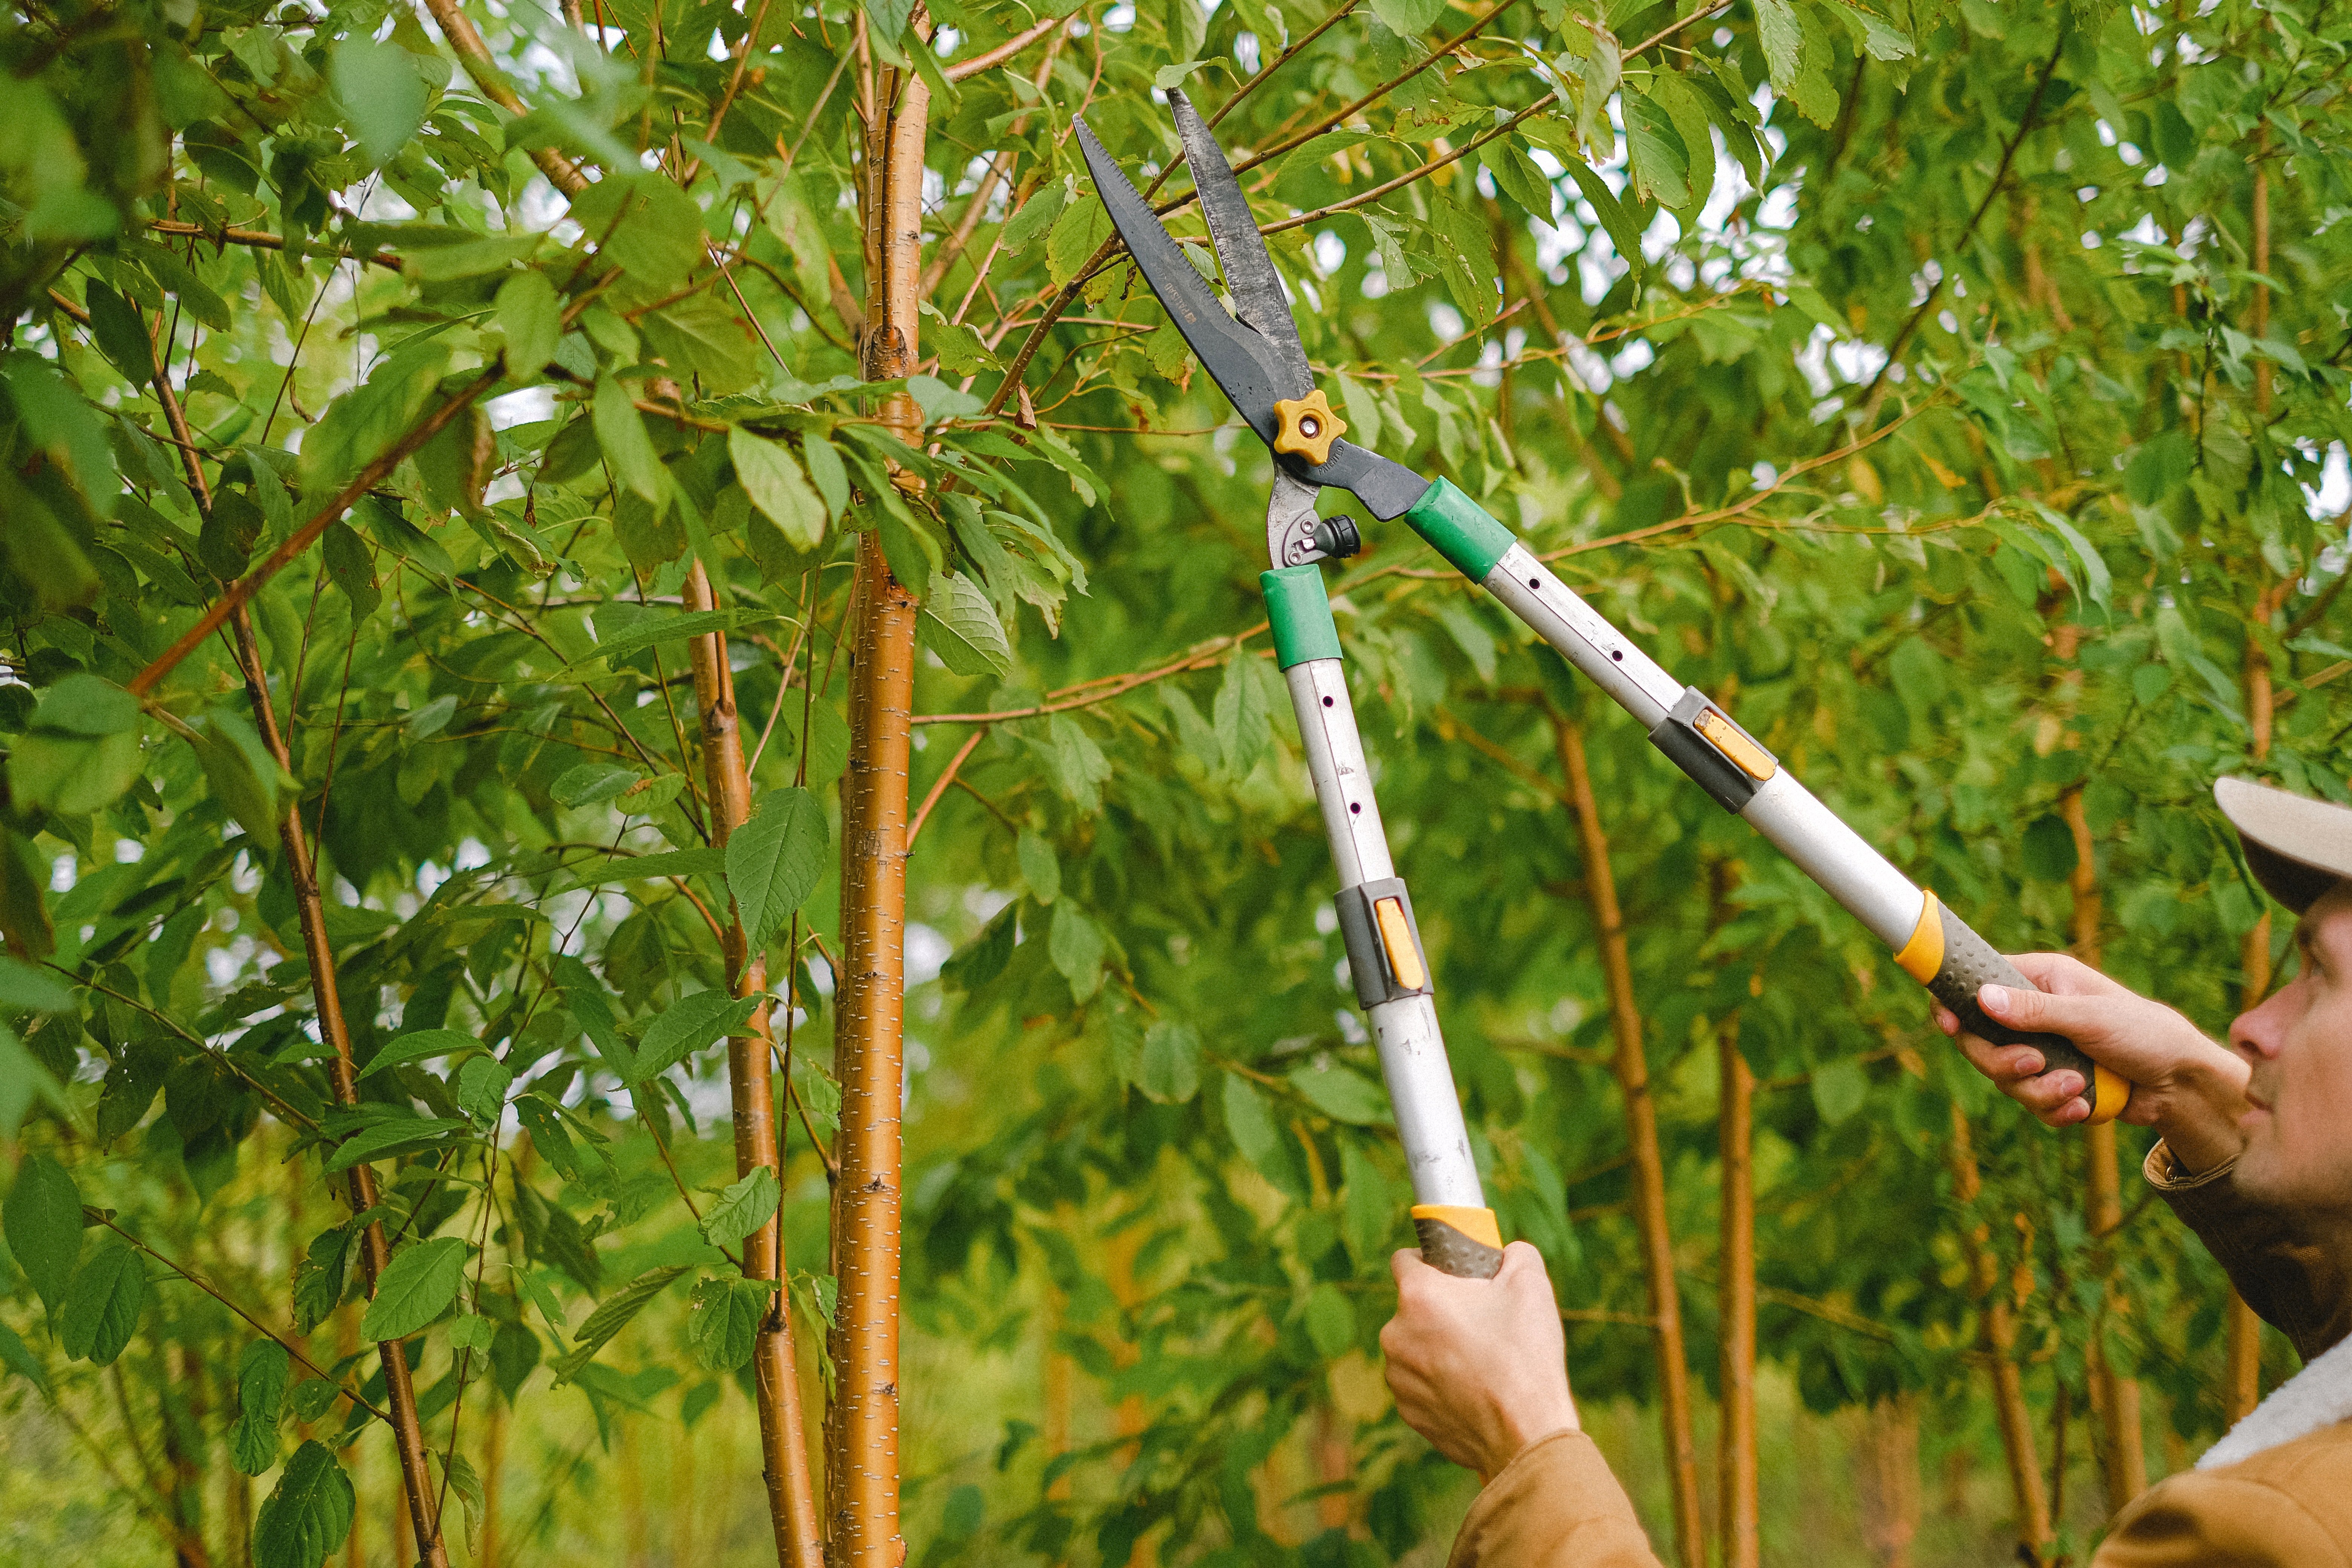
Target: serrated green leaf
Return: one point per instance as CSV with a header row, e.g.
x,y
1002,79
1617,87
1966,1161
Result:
x,y
42,1221
742,1208
690,1024
420,1045
621,432
722,1320
102,1306
382,94
307,1514
776,858
261,1376
960,625
612,1315
771,477
416,1286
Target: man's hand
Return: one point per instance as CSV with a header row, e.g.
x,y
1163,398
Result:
x,y
2183,1085
1479,1367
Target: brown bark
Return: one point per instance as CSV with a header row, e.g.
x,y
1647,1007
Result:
x,y
2114,1398
1648,1166
2242,1379
2259,314
494,1466
1890,1479
784,1447
1737,1305
862,1429
1997,1337
181,1408
417,1486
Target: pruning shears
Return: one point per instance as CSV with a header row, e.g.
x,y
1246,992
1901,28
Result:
x,y
1254,354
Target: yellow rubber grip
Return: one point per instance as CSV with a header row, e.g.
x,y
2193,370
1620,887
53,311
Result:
x,y
1478,1225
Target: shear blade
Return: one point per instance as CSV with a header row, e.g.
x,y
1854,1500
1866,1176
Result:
x,y
1249,277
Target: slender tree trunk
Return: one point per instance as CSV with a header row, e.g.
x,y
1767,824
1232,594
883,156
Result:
x,y
784,1447
494,1470
1890,1479
863,1426
2241,1380
1649,1165
1997,1338
2114,1398
417,1486
182,1412
1736,1476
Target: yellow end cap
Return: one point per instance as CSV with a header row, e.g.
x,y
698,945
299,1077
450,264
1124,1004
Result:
x,y
2110,1092
1478,1225
1396,935
1923,955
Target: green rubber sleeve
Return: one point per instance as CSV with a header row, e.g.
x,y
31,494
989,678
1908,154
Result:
x,y
1299,611
1460,529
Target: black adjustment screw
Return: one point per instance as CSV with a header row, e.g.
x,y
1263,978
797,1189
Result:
x,y
1337,537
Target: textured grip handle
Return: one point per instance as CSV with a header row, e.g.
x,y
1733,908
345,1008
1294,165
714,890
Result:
x,y
1969,963
1447,1246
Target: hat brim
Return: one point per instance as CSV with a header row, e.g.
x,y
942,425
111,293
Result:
x,y
2297,848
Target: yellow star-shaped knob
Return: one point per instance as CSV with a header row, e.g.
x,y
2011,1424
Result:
x,y
1308,427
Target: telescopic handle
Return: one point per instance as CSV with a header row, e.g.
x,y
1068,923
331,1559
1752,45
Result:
x,y
1954,963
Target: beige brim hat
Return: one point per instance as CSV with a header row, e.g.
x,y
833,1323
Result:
x,y
2297,848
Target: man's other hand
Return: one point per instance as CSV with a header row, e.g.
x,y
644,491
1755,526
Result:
x,y
2188,1088
1479,1367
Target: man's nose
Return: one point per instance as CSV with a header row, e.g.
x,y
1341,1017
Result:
x,y
2257,1033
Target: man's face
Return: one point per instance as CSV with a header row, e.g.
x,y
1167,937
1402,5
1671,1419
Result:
x,y
2299,1043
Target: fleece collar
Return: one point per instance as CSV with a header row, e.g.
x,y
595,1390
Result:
x,y
2319,1395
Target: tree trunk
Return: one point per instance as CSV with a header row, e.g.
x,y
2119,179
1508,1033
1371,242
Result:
x,y
869,1052
400,1392
2242,1380
494,1458
1997,1338
1649,1166
182,1410
784,1448
1890,1479
1737,1305
2123,1448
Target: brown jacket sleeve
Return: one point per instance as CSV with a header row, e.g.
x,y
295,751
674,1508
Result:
x,y
2288,1506
2293,1282
1554,1506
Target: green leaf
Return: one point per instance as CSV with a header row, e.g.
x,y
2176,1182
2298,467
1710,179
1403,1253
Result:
x,y
121,336
420,1045
612,1315
722,1320
960,625
1242,716
776,858
309,1513
482,1091
702,338
387,1139
1250,1122
1074,944
1077,234
652,629
2047,849
18,1357
826,471
742,1208
1685,105
72,774
591,783
621,432
1840,1089
102,1307
244,776
645,224
1040,868
1408,18
33,990
261,1376
772,480
1782,39
690,1024
1342,1094
530,317
383,96
416,1286
1330,1321
42,1216
1612,212
1170,1068
1656,155
1036,215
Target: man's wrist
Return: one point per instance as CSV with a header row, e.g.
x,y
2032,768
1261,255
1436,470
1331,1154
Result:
x,y
2198,1109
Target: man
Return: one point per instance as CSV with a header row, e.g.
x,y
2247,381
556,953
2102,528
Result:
x,y
2255,1156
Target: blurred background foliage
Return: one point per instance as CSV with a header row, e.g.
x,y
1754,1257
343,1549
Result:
x,y
1957,391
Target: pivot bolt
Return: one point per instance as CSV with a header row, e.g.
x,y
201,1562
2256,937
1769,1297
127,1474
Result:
x,y
1337,537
